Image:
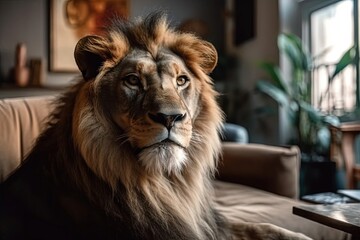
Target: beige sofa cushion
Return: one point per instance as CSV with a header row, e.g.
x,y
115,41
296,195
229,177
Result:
x,y
20,123
241,203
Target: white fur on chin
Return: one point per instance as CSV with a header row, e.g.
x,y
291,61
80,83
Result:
x,y
167,157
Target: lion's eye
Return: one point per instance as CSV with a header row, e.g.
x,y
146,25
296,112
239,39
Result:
x,y
182,80
132,80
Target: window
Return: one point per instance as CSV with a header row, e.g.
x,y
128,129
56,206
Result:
x,y
330,27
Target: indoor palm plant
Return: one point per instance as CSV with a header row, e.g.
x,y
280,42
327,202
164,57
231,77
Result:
x,y
311,125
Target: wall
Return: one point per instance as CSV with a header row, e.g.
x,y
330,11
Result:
x,y
27,21
271,17
290,21
246,73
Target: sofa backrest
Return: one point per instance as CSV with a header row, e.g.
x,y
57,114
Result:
x,y
271,168
21,121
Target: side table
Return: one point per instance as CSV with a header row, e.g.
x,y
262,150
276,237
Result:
x,y
344,217
345,143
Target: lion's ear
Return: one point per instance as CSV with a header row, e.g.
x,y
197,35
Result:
x,y
195,51
208,56
90,54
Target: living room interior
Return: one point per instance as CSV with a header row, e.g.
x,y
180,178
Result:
x,y
288,77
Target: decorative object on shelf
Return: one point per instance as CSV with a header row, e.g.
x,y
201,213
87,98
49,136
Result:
x,y
71,20
21,71
36,72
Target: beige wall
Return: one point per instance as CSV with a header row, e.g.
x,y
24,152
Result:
x,y
272,17
262,47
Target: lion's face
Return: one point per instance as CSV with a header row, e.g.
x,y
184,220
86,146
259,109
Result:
x,y
156,102
150,86
158,99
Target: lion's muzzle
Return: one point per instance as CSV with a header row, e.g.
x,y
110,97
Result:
x,y
167,120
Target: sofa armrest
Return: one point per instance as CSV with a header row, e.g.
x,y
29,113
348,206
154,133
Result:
x,y
21,123
270,168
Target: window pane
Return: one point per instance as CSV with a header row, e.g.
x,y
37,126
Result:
x,y
332,33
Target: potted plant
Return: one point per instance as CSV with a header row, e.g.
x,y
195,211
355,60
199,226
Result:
x,y
311,125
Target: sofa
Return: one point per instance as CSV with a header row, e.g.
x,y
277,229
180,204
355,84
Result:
x,y
255,183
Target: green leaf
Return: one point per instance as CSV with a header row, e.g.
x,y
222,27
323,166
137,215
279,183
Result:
x,y
274,92
293,111
305,57
291,45
289,48
331,120
314,115
348,58
323,139
276,76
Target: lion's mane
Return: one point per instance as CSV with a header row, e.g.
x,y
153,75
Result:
x,y
84,149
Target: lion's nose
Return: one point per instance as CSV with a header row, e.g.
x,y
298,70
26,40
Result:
x,y
167,120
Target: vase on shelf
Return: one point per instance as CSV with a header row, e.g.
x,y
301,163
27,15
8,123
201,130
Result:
x,y
21,71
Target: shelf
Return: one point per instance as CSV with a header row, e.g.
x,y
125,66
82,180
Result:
x,y
15,92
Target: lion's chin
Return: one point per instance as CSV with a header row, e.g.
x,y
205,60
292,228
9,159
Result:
x,y
163,157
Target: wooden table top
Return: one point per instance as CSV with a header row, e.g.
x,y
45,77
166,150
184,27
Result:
x,y
345,217
348,126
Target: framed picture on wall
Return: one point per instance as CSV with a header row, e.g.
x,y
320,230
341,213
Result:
x,y
71,20
240,23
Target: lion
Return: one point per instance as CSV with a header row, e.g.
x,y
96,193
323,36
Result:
x,y
131,149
